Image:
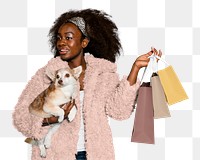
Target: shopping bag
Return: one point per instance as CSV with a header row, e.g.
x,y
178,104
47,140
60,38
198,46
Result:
x,y
143,130
160,106
172,86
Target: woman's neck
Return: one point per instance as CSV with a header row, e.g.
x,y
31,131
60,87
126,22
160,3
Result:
x,y
78,61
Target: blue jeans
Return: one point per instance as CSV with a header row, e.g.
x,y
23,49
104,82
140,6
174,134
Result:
x,y
81,155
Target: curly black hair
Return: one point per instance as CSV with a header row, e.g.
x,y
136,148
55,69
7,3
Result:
x,y
102,32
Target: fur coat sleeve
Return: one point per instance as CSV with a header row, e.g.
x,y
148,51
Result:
x,y
26,123
119,96
121,100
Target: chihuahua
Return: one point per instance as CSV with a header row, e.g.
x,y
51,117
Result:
x,y
63,89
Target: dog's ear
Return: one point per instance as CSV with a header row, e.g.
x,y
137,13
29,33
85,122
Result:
x,y
77,71
50,74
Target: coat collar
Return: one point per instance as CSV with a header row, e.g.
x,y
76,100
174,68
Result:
x,y
99,64
94,65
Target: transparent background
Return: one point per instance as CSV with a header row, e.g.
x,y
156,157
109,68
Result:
x,y
170,25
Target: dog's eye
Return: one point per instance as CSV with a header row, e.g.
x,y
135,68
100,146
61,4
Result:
x,y
57,76
67,75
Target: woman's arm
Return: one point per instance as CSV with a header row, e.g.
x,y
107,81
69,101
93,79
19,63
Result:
x,y
25,122
141,61
121,97
120,103
67,107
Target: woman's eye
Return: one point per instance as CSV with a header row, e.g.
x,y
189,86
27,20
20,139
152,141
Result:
x,y
58,37
57,76
67,75
69,38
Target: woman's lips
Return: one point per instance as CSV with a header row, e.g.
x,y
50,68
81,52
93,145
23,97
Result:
x,y
63,51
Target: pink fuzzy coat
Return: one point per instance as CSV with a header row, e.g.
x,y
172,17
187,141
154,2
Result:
x,y
105,95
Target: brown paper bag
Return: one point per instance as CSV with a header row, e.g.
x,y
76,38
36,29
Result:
x,y
160,106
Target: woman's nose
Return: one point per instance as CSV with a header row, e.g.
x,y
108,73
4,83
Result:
x,y
61,41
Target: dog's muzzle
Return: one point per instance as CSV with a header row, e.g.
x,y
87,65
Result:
x,y
60,82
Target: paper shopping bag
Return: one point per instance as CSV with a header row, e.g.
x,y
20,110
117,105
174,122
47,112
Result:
x,y
160,106
172,86
143,130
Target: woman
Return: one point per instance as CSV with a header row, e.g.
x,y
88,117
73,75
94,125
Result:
x,y
87,38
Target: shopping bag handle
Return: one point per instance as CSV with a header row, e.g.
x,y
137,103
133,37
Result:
x,y
161,59
151,67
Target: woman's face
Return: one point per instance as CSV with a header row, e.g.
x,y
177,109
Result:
x,y
70,43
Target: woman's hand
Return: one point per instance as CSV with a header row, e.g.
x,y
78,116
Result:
x,y
141,61
67,108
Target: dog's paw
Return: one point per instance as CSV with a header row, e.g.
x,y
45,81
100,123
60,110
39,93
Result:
x,y
47,143
60,119
43,153
61,116
72,114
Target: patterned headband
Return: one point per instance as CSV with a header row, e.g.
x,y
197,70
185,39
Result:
x,y
80,23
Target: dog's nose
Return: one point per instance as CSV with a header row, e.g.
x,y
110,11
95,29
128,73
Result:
x,y
60,81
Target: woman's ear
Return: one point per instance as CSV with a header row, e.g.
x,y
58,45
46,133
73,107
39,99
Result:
x,y
85,42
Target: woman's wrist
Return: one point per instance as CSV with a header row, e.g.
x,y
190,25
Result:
x,y
52,120
136,67
49,121
132,77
